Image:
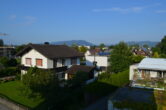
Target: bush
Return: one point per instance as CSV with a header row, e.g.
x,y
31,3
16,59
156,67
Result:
x,y
119,79
6,62
39,80
78,79
9,71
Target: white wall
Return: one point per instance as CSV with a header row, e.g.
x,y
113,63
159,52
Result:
x,y
132,68
101,61
47,63
33,54
153,74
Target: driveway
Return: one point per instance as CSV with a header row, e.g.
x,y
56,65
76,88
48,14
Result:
x,y
2,107
101,104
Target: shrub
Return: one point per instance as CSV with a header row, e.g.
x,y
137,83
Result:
x,y
78,79
6,62
9,71
119,79
39,80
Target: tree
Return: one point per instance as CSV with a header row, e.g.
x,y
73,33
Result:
x,y
83,49
1,42
137,58
102,45
75,46
39,80
19,48
111,46
4,61
146,46
162,45
79,79
156,55
120,58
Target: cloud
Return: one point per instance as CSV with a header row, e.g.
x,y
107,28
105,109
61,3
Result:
x,y
121,10
134,9
12,17
160,11
29,20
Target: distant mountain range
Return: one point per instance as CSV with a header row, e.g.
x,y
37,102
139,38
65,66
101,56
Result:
x,y
85,43
70,42
141,43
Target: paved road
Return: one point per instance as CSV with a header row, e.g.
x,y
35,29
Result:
x,y
2,107
101,104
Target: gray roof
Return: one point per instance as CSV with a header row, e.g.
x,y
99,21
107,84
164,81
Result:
x,y
76,68
153,64
52,51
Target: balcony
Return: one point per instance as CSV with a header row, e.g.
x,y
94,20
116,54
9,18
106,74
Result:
x,y
58,69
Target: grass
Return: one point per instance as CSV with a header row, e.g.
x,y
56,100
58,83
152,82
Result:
x,y
160,99
12,91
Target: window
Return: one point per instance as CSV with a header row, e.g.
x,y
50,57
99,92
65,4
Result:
x,y
28,61
55,63
73,61
63,62
39,62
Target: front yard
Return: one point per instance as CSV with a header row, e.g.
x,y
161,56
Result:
x,y
150,83
12,91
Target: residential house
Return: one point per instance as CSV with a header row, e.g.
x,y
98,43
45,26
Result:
x,y
98,57
152,70
142,52
49,57
91,70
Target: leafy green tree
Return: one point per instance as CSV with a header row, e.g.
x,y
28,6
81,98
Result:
x,y
83,49
8,62
137,58
102,45
39,80
145,46
156,55
19,48
79,79
162,45
4,61
111,46
120,58
75,46
1,42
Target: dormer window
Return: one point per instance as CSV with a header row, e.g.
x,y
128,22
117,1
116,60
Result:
x,y
28,61
39,62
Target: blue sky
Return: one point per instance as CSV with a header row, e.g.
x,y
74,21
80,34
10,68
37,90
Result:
x,y
97,21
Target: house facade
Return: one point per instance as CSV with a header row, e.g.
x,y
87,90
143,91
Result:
x,y
100,58
149,72
49,57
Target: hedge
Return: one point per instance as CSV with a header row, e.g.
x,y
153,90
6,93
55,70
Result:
x,y
9,71
116,79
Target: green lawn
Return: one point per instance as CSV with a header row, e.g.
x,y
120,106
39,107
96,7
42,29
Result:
x,y
12,91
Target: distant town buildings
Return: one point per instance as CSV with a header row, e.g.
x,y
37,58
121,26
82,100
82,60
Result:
x,y
141,51
7,51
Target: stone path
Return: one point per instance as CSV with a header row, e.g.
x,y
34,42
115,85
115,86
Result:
x,y
2,107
